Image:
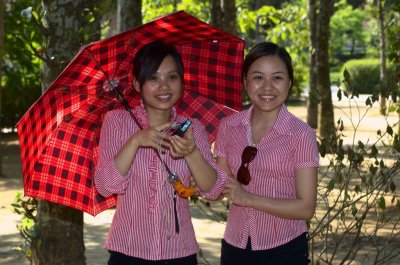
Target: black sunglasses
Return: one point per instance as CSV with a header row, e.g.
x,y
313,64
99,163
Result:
x,y
248,155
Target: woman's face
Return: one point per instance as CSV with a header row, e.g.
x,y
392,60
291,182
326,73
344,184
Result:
x,y
163,89
267,83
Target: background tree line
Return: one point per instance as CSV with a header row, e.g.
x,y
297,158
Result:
x,y
37,42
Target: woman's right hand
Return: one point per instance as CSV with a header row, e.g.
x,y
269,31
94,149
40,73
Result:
x,y
235,192
152,137
149,137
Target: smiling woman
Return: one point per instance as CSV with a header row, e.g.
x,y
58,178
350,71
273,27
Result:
x,y
152,224
272,158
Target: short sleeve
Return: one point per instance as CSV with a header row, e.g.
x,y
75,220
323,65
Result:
x,y
307,150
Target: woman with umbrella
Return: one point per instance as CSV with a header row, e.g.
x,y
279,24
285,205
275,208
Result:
x,y
152,225
272,158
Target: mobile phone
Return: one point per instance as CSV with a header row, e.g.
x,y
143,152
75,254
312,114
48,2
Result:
x,y
180,131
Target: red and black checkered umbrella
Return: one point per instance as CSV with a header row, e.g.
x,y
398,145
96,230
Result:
x,y
60,132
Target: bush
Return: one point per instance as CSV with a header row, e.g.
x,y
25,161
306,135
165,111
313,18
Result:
x,y
365,75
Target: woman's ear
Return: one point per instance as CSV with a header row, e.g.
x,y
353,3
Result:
x,y
245,83
136,85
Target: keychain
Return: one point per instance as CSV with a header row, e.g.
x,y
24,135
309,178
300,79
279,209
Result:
x,y
180,188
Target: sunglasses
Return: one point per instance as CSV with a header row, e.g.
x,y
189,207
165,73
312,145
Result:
x,y
248,155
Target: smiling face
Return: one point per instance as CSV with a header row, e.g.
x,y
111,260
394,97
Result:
x,y
267,83
162,90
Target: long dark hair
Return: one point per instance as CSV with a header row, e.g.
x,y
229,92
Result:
x,y
149,58
267,49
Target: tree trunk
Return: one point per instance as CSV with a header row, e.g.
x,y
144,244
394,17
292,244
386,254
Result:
x,y
1,76
230,16
94,27
256,4
60,239
397,81
327,124
129,14
175,5
217,16
313,99
383,70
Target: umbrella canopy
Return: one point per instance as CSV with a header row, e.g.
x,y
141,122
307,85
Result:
x,y
59,134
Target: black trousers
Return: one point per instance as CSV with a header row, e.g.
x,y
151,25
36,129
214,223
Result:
x,y
117,258
294,252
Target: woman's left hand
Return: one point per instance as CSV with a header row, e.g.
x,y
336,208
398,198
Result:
x,y
235,192
182,146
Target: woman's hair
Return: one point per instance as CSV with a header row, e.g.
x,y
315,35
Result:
x,y
149,58
268,49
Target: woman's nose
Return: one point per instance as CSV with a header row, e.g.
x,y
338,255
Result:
x,y
163,82
268,83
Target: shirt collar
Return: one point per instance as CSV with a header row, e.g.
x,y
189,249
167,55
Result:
x,y
142,117
281,125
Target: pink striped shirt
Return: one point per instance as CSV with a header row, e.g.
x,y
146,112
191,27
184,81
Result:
x,y
291,144
143,225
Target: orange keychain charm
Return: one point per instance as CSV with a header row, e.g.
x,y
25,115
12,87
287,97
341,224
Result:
x,y
184,192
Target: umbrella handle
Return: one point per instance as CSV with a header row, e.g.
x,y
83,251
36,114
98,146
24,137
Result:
x,y
183,191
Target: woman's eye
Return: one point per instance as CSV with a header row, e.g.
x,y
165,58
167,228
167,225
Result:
x,y
258,77
153,78
278,77
173,77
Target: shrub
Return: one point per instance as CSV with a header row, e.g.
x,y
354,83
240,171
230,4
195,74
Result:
x,y
365,75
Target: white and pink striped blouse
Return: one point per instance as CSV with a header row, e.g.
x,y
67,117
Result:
x,y
291,144
144,225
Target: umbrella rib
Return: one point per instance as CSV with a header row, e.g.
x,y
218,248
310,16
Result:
x,y
120,96
66,89
125,103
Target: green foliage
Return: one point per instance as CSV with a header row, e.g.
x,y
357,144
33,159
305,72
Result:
x,y
348,37
365,76
21,68
393,30
391,13
246,20
197,8
287,27
24,52
358,200
28,228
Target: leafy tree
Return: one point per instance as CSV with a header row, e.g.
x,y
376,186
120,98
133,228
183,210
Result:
x,y
393,33
393,30
327,124
21,66
230,24
348,38
313,95
216,13
1,75
53,220
61,28
286,27
197,8
129,14
382,51
223,15
256,4
358,201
